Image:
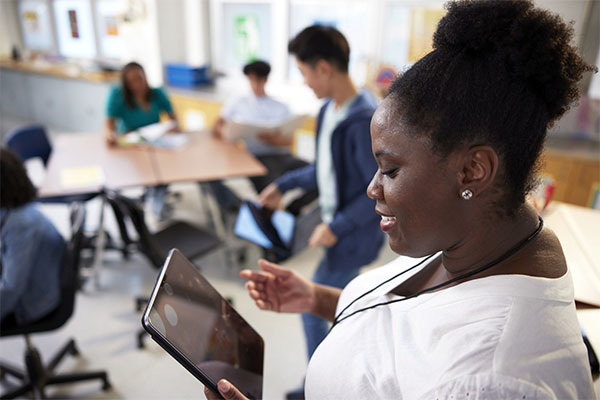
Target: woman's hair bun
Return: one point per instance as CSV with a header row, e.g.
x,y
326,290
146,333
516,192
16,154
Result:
x,y
534,45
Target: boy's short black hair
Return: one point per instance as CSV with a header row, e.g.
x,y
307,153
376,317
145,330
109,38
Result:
x,y
16,189
321,42
258,68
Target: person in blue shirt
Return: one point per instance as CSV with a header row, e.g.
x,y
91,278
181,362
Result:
x,y
32,252
343,169
134,104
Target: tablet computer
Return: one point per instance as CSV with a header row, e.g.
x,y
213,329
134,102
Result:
x,y
188,318
275,230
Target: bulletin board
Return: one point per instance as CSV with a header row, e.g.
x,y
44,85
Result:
x,y
74,28
36,27
109,14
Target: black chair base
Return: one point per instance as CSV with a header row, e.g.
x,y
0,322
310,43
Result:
x,y
36,376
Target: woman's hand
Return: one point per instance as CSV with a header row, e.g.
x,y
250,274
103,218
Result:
x,y
110,131
227,390
270,197
279,289
322,235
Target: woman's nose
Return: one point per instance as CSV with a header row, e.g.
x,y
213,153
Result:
x,y
374,189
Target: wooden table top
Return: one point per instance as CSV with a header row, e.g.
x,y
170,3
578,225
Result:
x,y
204,158
577,230
121,167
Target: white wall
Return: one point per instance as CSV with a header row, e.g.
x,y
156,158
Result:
x,y
140,38
569,10
10,34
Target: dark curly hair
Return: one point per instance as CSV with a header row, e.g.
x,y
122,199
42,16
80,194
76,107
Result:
x,y
501,73
16,189
321,42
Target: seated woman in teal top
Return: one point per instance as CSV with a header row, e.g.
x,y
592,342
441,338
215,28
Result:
x,y
134,104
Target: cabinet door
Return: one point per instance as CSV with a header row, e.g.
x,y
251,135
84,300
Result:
x,y
86,103
561,169
14,94
586,174
49,97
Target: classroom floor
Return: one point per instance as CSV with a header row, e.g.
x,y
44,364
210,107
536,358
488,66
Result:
x,y
105,322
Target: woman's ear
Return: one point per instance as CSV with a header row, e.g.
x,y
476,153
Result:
x,y
478,169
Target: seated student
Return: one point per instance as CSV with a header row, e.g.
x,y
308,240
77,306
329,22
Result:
x,y
271,149
133,105
32,252
486,311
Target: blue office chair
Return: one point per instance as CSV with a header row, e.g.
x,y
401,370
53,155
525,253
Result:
x,y
31,141
36,376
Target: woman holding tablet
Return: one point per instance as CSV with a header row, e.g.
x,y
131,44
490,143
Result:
x,y
484,308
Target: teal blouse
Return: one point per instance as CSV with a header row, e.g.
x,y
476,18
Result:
x,y
130,119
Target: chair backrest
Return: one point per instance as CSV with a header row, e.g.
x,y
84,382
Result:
x,y
29,142
147,244
69,282
70,277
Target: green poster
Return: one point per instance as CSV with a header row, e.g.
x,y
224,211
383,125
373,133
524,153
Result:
x,y
246,37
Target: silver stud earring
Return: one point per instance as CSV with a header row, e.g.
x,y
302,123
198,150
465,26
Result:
x,y
467,194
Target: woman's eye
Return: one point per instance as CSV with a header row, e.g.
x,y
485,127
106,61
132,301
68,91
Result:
x,y
389,171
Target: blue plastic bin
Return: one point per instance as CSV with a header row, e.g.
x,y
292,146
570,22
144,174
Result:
x,y
187,76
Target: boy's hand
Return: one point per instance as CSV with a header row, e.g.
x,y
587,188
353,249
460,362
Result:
x,y
322,236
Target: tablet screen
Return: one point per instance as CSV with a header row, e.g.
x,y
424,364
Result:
x,y
203,328
270,229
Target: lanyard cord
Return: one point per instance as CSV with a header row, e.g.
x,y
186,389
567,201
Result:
x,y
503,257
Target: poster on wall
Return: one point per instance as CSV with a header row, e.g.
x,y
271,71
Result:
x,y
109,15
246,34
74,28
73,23
31,23
35,25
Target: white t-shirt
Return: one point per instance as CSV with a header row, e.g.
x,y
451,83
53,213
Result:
x,y
499,337
326,180
257,110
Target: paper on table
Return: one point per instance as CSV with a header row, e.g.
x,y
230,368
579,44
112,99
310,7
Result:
x,y
152,132
172,141
243,130
89,175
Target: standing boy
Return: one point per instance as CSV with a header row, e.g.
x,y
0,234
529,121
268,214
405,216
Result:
x,y
343,169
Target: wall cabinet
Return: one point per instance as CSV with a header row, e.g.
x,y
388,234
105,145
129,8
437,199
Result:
x,y
575,177
58,103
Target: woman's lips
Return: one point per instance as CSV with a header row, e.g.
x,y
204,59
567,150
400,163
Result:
x,y
387,222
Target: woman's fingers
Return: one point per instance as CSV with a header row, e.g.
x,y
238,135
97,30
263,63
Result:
x,y
258,276
274,269
230,392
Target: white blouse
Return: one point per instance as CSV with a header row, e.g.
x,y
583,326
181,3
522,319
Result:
x,y
499,337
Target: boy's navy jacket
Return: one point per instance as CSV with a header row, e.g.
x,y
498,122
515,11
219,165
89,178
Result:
x,y
355,222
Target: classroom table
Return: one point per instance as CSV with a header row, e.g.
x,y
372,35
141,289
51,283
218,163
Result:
x,y
84,163
120,167
203,158
577,229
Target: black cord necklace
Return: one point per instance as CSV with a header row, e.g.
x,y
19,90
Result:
x,y
489,265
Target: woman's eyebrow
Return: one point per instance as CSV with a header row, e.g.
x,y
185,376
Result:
x,y
380,153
